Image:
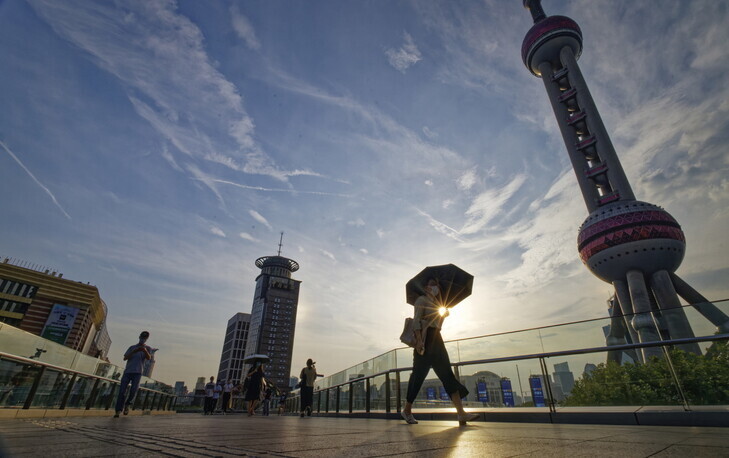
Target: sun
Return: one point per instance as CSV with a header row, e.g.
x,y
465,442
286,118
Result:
x,y
442,311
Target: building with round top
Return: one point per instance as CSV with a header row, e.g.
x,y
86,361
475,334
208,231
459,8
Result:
x,y
635,246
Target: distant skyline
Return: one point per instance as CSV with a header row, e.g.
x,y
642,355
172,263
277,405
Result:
x,y
156,148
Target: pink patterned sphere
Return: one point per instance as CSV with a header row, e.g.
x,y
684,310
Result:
x,y
544,41
630,235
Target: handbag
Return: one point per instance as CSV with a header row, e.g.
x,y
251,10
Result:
x,y
408,333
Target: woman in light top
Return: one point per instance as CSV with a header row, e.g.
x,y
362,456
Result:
x,y
430,352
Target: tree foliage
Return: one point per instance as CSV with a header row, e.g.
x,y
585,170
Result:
x,y
703,379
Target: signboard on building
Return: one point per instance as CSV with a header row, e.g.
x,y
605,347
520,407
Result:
x,y
507,393
535,383
59,323
483,393
443,395
430,393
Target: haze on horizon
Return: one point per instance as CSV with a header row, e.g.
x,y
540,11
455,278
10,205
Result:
x,y
157,148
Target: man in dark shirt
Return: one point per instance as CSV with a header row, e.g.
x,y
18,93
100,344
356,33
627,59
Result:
x,y
135,357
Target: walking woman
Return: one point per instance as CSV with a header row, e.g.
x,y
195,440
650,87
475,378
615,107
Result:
x,y
254,386
308,377
430,352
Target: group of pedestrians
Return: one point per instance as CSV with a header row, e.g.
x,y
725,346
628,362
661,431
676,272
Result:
x,y
429,352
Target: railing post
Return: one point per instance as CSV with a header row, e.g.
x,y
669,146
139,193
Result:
x,y
387,393
339,393
367,394
547,385
398,396
68,392
112,396
94,393
144,402
351,396
327,406
676,380
31,394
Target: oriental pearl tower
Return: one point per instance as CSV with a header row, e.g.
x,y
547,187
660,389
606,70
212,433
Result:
x,y
636,246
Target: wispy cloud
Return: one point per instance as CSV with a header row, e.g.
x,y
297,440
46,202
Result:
x,y
329,255
30,174
217,231
467,180
405,56
247,236
258,217
488,204
244,28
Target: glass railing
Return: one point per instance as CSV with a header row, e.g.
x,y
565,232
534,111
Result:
x,y
38,373
597,362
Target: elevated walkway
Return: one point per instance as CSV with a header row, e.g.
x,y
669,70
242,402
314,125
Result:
x,y
187,435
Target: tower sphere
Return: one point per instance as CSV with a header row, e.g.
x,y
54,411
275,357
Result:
x,y
545,40
630,235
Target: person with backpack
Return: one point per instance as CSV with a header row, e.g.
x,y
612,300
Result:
x,y
308,377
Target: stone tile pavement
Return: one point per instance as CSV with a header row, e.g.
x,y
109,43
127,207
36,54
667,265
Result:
x,y
192,435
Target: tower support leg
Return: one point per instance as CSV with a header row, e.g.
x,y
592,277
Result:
x,y
710,311
643,320
678,324
622,293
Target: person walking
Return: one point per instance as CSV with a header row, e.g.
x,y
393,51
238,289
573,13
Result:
x,y
227,392
135,356
254,387
281,403
209,394
217,394
430,352
267,400
308,377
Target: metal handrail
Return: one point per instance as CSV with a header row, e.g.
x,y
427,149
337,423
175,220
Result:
x,y
581,351
35,362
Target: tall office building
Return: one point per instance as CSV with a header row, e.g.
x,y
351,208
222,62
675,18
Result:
x,y
42,302
273,317
234,348
564,377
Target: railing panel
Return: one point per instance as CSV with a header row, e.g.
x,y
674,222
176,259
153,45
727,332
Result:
x,y
16,380
378,393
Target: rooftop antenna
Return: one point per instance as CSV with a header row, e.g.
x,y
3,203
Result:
x,y
280,244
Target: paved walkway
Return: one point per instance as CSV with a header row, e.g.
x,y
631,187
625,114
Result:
x,y
187,435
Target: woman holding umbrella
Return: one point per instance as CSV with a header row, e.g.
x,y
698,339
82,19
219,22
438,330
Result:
x,y
254,386
430,352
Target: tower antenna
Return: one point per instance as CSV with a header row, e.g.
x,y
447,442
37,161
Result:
x,y
280,244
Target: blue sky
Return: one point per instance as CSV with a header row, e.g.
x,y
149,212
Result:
x,y
157,148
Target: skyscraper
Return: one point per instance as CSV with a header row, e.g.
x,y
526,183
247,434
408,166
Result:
x,y
635,246
273,316
234,348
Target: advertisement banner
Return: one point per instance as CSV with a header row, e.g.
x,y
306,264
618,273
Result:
x,y
430,393
443,395
59,323
507,393
535,383
483,394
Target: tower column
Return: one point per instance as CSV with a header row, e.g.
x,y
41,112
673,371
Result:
x,y
678,324
710,311
615,173
643,320
622,293
589,192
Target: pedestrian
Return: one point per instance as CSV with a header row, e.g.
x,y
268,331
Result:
x,y
254,382
217,394
282,403
227,392
267,400
135,357
209,394
308,377
430,352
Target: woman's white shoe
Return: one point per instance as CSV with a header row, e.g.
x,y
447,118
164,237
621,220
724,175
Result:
x,y
408,417
463,419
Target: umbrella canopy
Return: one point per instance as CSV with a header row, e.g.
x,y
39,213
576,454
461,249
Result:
x,y
256,358
455,284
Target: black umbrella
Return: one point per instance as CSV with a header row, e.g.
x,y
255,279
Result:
x,y
455,284
257,358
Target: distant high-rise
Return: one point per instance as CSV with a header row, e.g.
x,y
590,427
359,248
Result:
x,y
273,317
636,246
234,348
564,377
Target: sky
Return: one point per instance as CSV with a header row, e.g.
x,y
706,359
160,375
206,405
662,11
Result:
x,y
157,148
